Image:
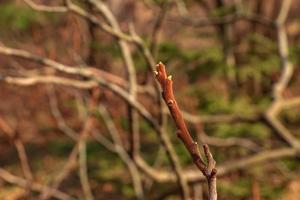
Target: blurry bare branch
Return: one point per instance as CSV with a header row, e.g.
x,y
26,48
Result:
x,y
36,187
119,148
28,81
58,116
191,176
44,8
13,135
130,69
286,65
282,83
84,180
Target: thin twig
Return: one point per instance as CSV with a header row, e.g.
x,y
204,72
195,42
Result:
x,y
208,170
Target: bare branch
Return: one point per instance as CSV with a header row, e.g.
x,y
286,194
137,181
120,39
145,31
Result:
x,y
286,65
191,176
28,81
208,170
131,73
43,8
119,148
8,177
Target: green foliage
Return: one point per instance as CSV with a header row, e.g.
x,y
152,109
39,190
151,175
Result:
x,y
270,192
256,131
238,189
260,61
294,54
181,151
196,62
127,190
140,63
223,10
290,116
241,189
291,164
210,62
105,168
262,44
213,101
16,17
124,123
169,50
111,49
59,148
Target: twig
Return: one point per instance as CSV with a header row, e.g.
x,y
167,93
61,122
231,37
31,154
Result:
x,y
208,170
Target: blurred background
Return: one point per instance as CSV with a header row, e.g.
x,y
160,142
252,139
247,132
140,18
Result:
x,y
235,67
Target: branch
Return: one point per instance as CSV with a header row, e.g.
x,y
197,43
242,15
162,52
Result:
x,y
28,81
282,83
120,150
35,6
88,72
131,74
208,170
163,176
286,65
